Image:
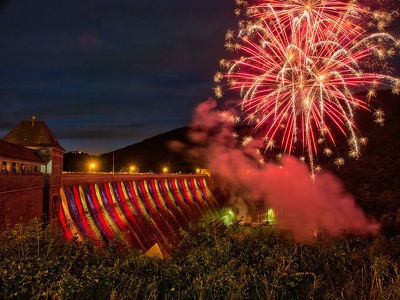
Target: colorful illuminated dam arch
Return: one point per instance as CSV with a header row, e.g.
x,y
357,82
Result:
x,y
142,210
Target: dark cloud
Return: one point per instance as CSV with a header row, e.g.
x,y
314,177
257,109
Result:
x,y
133,125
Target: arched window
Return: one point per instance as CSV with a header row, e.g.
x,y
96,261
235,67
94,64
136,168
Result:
x,y
14,169
4,168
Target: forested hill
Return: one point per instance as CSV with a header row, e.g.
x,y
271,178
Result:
x,y
151,155
374,178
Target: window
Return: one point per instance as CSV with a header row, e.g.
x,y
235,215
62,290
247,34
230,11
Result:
x,y
14,169
4,167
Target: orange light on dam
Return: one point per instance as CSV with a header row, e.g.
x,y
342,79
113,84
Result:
x,y
140,212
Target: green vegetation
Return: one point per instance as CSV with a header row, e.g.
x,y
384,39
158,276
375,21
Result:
x,y
213,262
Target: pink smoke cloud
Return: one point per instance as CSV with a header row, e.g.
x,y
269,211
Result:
x,y
302,205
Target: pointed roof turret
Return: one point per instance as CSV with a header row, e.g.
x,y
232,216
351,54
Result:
x,y
32,133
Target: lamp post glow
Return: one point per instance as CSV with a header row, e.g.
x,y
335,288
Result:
x,y
91,167
132,169
165,170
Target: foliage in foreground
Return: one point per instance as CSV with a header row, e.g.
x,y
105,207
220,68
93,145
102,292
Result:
x,y
212,263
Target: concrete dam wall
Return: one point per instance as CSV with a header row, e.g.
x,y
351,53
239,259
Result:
x,y
141,210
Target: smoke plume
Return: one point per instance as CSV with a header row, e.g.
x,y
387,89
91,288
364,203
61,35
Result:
x,y
302,204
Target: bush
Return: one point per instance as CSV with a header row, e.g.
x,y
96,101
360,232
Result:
x,y
212,262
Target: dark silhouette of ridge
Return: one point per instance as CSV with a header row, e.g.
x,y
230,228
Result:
x,y
151,155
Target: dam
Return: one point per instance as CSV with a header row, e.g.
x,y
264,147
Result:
x,y
140,210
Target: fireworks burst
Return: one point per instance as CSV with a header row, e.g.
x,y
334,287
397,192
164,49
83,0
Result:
x,y
302,62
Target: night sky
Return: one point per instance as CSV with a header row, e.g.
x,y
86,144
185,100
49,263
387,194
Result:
x,y
106,74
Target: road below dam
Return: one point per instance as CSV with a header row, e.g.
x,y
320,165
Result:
x,y
139,210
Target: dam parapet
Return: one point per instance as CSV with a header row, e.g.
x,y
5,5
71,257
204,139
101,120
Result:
x,y
72,178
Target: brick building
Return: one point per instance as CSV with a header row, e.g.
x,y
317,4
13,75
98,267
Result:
x,y
31,172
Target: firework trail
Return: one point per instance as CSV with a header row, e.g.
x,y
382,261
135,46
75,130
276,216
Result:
x,y
302,62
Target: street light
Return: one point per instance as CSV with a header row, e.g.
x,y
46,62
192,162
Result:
x,y
132,169
165,170
91,167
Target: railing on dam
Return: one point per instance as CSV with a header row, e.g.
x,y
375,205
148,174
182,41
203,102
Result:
x,y
142,209
70,178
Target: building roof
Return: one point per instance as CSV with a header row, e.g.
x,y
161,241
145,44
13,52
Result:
x,y
12,151
32,133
